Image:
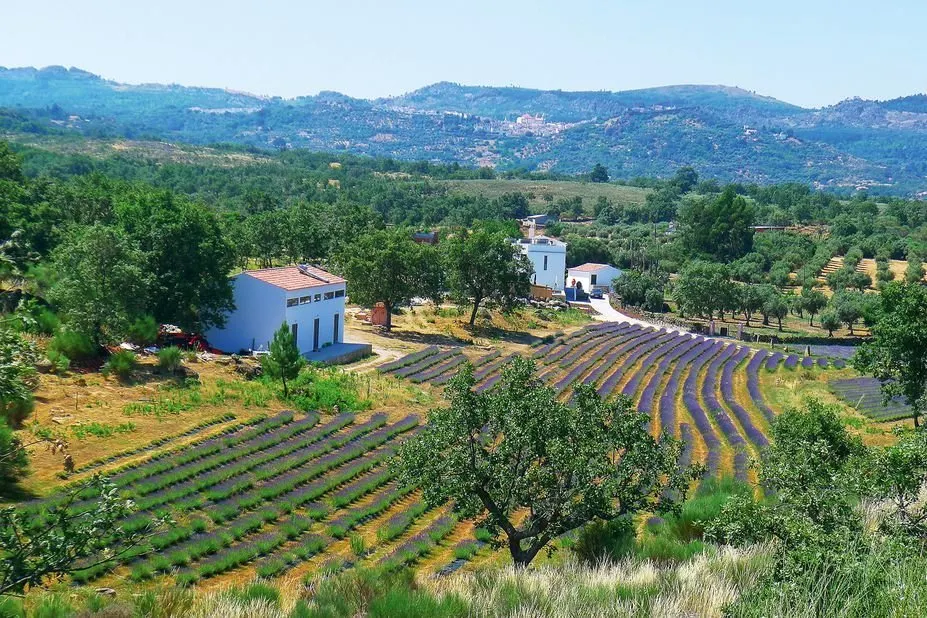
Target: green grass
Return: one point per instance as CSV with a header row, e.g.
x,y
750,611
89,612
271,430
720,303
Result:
x,y
559,189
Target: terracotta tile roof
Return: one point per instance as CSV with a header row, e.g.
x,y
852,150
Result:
x,y
589,267
295,277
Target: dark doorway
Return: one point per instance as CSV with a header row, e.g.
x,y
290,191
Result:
x,y
315,335
295,330
337,328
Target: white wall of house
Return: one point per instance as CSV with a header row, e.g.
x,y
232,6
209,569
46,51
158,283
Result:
x,y
261,307
601,278
548,260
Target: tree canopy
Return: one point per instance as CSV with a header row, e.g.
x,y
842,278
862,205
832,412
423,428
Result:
x,y
517,448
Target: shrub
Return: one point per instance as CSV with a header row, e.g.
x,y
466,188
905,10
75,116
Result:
x,y
605,540
11,608
121,364
258,591
143,331
76,346
170,359
358,545
53,606
60,362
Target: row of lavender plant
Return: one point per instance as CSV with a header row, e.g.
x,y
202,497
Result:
x,y
639,347
699,416
754,435
409,359
577,340
425,363
666,344
761,357
667,402
648,397
477,364
601,337
723,420
420,544
580,368
452,362
351,518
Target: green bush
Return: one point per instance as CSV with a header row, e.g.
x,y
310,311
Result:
x,y
143,331
11,608
60,362
76,346
323,389
170,359
53,606
257,591
605,540
121,364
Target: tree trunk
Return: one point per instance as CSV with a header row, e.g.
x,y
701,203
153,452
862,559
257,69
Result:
x,y
765,319
286,393
476,306
747,318
812,320
780,323
389,316
521,558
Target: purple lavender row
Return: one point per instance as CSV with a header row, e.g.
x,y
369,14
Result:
x,y
571,376
492,367
304,454
579,339
603,337
741,465
425,363
668,396
773,360
688,445
427,376
727,392
648,397
369,482
822,362
426,536
640,347
791,362
477,365
600,370
668,343
690,399
753,383
838,363
808,362
251,446
728,428
408,359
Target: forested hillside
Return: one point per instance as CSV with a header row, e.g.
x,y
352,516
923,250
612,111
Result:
x,y
725,133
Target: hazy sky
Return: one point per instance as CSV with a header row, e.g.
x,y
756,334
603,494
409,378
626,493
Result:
x,y
810,52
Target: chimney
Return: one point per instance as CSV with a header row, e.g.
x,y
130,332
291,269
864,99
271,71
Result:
x,y
531,225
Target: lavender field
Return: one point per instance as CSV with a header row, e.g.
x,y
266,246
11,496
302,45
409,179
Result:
x,y
704,391
865,395
290,492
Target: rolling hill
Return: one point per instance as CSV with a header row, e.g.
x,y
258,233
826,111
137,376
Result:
x,y
726,133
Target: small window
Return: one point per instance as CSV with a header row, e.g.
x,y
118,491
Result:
x,y
339,293
305,300
292,302
317,298
329,295
592,279
545,262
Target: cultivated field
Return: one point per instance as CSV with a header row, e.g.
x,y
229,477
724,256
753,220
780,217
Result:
x,y
588,191
704,391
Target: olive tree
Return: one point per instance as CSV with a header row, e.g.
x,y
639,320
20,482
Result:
x,y
517,449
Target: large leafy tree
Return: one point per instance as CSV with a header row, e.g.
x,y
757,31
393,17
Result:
x,y
284,361
387,266
18,377
483,265
103,282
720,228
703,288
897,352
187,256
518,449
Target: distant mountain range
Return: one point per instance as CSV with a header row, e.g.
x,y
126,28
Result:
x,y
726,133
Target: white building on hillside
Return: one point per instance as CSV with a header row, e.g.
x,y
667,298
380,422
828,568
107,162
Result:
x,y
591,276
308,299
548,256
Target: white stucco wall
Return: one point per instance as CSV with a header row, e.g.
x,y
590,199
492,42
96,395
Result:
x,y
260,309
603,279
553,275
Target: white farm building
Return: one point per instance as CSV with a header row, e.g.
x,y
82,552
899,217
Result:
x,y
548,256
308,299
590,276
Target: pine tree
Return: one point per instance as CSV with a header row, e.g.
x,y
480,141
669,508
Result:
x,y
284,360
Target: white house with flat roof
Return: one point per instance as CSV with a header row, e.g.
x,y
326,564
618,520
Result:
x,y
591,276
548,256
308,299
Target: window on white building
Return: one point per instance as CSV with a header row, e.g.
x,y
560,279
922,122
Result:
x,y
592,279
317,298
545,262
329,295
305,300
339,293
292,302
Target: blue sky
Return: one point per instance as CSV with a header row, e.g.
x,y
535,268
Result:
x,y
811,53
